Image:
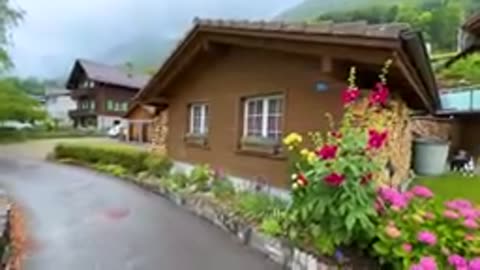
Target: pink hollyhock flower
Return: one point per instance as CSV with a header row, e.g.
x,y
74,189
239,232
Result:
x,y
457,261
451,214
376,139
423,192
470,223
334,179
393,232
407,247
474,264
427,237
327,152
379,96
428,263
350,95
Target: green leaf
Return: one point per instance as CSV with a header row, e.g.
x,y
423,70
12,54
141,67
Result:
x,y
381,248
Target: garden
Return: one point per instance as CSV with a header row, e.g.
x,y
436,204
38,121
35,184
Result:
x,y
338,213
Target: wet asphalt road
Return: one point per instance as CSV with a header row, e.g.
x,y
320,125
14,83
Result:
x,y
81,220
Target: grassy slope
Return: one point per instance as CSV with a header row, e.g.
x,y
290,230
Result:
x,y
310,9
451,186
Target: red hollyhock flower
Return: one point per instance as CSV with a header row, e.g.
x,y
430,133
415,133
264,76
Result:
x,y
379,96
376,139
350,95
327,152
366,179
334,179
302,180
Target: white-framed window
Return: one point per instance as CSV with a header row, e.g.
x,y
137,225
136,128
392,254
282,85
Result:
x,y
198,122
263,117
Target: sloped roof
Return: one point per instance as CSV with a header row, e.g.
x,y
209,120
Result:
x,y
472,25
407,42
108,74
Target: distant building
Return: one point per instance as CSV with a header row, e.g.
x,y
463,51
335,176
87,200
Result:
x,y
102,93
58,103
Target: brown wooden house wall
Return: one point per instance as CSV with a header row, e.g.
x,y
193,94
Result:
x,y
223,81
135,129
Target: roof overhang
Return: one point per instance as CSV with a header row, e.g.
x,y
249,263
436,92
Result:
x,y
406,47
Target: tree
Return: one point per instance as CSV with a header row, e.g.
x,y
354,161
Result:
x,y
9,18
16,105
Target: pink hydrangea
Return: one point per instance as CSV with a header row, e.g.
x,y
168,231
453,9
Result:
x,y
421,191
457,261
428,263
394,197
407,247
469,213
470,223
458,204
474,264
450,214
416,267
427,237
392,231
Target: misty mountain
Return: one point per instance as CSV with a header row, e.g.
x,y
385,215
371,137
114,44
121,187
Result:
x,y
144,52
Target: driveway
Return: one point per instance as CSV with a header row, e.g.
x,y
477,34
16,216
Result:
x,y
81,220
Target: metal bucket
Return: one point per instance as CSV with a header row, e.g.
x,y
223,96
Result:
x,y
430,156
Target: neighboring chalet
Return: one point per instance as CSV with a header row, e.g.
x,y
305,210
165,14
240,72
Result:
x,y
469,40
102,93
58,104
139,120
234,89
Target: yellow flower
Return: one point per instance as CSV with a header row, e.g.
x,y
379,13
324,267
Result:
x,y
418,218
304,152
292,139
311,157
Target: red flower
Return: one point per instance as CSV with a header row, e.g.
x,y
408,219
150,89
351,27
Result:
x,y
350,95
327,152
379,96
334,179
366,179
336,134
302,180
376,139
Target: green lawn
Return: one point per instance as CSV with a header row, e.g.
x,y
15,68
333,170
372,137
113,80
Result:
x,y
451,186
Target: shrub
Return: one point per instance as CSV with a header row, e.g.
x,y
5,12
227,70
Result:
x,y
255,206
157,165
112,169
223,189
200,177
416,231
132,159
177,182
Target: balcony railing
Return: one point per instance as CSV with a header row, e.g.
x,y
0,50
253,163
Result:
x,y
81,112
461,99
81,92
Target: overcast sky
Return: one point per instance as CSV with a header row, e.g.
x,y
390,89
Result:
x,y
54,32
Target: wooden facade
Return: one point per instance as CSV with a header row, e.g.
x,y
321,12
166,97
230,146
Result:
x,y
139,125
222,65
101,92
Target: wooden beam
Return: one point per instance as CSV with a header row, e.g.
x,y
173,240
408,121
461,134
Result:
x,y
412,78
359,54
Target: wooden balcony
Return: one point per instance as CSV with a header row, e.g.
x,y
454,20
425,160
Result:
x,y
81,113
82,92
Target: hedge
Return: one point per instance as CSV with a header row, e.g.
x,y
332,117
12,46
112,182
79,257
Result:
x,y
134,160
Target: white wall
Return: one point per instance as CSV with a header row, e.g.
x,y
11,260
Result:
x,y
57,107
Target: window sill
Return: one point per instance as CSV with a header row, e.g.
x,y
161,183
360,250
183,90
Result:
x,y
267,150
196,141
